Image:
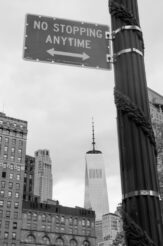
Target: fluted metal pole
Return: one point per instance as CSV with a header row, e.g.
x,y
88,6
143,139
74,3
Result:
x,y
136,140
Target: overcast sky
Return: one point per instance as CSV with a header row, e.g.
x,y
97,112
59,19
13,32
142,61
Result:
x,y
59,101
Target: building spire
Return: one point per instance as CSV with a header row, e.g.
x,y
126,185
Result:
x,y
93,135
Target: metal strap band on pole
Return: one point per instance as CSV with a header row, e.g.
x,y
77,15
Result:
x,y
141,193
131,27
129,50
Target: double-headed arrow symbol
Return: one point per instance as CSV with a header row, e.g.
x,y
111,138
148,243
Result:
x,y
53,52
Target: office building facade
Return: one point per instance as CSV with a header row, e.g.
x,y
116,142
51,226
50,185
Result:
x,y
13,135
111,226
28,191
43,180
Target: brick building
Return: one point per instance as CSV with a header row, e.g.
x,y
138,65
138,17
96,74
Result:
x,y
47,224
13,134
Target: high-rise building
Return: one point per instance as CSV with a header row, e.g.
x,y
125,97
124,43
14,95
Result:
x,y
96,196
13,134
111,226
28,192
156,112
43,180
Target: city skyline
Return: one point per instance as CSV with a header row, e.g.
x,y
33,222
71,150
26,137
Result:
x,y
59,101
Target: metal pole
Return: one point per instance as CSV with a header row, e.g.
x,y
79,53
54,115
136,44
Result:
x,y
142,216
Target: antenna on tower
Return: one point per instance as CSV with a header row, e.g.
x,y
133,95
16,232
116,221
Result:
x,y
93,135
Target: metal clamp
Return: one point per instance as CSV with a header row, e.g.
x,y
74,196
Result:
x,y
110,59
109,36
131,27
128,51
141,193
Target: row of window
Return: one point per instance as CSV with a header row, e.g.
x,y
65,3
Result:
x,y
59,241
6,235
7,224
48,228
10,185
34,217
9,195
6,244
11,175
11,132
13,141
12,158
16,204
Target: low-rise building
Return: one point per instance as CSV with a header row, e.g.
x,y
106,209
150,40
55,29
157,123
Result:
x,y
47,224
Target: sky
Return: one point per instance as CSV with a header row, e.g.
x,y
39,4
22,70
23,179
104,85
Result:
x,y
59,101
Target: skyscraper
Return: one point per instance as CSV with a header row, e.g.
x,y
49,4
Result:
x,y
96,196
13,134
43,181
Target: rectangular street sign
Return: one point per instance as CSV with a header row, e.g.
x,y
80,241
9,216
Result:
x,y
56,40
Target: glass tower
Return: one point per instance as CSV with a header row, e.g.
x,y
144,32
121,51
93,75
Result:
x,y
96,196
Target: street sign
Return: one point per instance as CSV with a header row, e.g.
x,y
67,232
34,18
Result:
x,y
56,40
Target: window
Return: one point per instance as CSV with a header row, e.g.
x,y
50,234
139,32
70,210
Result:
x,y
13,142
12,150
43,227
20,142
6,235
14,225
30,239
34,216
18,176
4,165
10,185
9,194
70,220
1,203
19,151
0,223
12,158
13,244
8,204
43,217
5,157
88,223
16,205
5,149
46,240
11,166
73,242
13,235
3,174
83,222
17,186
6,140
29,216
17,194
8,214
18,168
2,192
0,138
11,175
62,219
7,224
75,221
15,215
19,159
2,184
1,213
